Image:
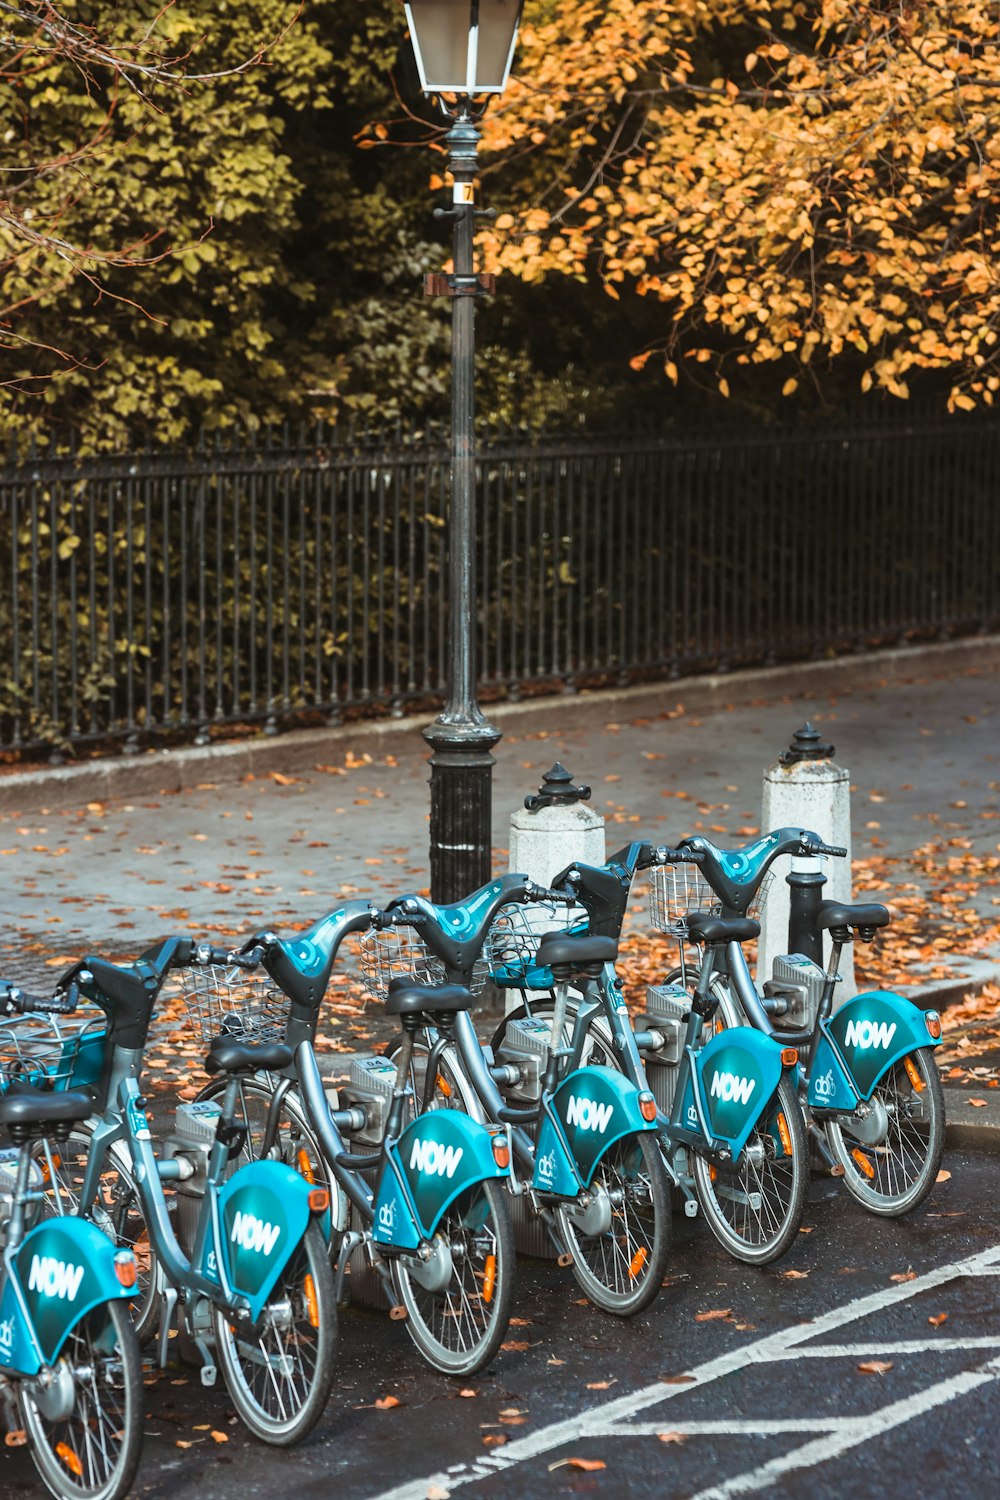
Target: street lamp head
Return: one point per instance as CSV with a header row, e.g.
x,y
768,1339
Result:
x,y
463,46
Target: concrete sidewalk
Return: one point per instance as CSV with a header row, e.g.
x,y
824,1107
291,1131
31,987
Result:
x,y
324,816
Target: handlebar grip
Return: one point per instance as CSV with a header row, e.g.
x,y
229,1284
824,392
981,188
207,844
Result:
x,y
546,893
19,1002
666,856
831,849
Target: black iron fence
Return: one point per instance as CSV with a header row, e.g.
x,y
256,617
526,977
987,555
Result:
x,y
299,578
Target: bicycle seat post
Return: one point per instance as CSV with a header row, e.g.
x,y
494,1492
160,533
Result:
x,y
831,978
561,974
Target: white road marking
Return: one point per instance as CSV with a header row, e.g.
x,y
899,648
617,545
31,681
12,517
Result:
x,y
852,1431
613,1417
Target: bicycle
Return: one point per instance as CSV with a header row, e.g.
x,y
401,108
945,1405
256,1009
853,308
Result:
x,y
246,1273
868,1082
70,1367
433,1226
729,1124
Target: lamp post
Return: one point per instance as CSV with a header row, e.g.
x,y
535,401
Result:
x,y
462,48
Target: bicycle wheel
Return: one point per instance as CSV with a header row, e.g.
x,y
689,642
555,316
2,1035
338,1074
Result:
x,y
621,1267
891,1157
754,1207
85,1428
116,1211
459,1328
279,1374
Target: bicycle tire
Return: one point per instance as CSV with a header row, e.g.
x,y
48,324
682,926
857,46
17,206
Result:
x,y
460,1329
754,1207
878,1175
118,1214
298,1322
93,1453
622,1269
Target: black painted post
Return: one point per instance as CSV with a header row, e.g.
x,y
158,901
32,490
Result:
x,y
461,737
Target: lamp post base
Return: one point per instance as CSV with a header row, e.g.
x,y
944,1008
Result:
x,y
461,825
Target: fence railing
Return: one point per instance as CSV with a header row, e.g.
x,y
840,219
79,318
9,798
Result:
x,y
157,597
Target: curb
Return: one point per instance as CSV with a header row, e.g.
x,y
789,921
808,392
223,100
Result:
x,y
157,772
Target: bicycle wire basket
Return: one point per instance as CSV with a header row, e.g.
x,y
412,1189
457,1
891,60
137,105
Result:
x,y
224,999
511,947
677,890
51,1053
400,952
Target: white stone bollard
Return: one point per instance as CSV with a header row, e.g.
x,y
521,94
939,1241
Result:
x,y
553,829
807,789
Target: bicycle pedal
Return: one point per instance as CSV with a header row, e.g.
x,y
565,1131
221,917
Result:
x,y
209,1374
565,1259
398,1314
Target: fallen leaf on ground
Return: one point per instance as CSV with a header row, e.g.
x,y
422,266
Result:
x,y
385,1403
977,1103
794,1275
672,1437
600,1385
220,1437
468,1394
938,1319
437,1492
943,1176
910,1275
587,1464
712,1314
678,1379
875,1366
494,1440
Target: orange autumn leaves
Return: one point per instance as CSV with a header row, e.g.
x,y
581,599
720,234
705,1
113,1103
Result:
x,y
789,183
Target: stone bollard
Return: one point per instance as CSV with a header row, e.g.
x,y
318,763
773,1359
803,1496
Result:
x,y
806,789
551,831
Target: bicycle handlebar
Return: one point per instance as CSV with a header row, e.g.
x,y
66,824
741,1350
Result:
x,y
16,1001
810,846
664,856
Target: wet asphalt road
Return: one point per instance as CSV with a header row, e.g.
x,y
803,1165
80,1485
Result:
x,y
766,1413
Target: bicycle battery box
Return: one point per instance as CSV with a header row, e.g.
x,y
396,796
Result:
x,y
667,1009
369,1087
525,1046
797,981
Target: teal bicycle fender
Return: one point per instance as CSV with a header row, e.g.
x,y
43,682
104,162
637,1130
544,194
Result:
x,y
438,1157
736,1074
860,1043
263,1216
63,1269
596,1108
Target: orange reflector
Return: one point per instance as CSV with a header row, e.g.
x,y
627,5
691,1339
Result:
x,y
444,1086
304,1165
789,1057
913,1073
319,1200
69,1458
126,1269
713,1173
489,1278
933,1023
647,1107
863,1163
312,1306
637,1263
501,1151
784,1133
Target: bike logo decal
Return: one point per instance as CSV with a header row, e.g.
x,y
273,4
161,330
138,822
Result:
x,y
826,1086
546,1166
7,1340
588,1114
865,1034
434,1159
253,1234
54,1278
387,1217
727,1086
